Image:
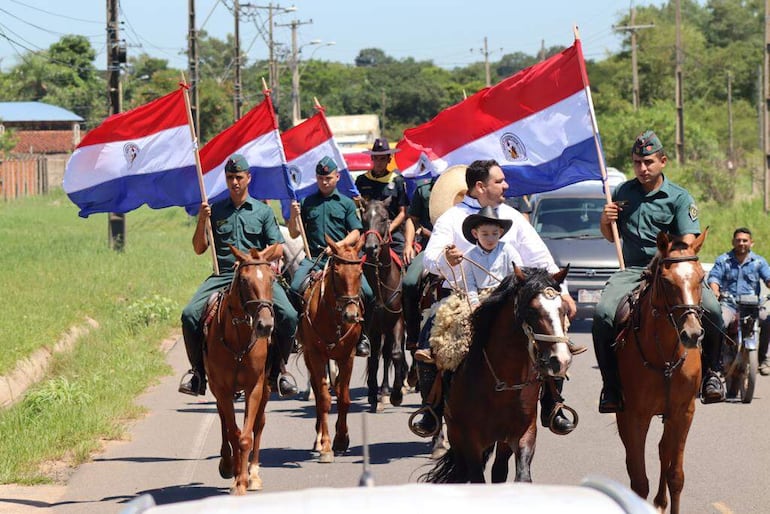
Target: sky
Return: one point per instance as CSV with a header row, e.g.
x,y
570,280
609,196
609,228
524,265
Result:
x,y
448,32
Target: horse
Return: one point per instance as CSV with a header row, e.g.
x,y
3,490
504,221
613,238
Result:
x,y
518,342
660,365
236,352
329,328
385,324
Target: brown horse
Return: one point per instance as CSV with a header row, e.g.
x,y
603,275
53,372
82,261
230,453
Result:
x,y
385,323
236,351
519,342
660,365
329,329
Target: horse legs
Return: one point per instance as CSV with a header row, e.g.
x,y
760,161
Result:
x,y
225,451
503,452
341,437
372,369
255,481
399,363
633,432
316,365
671,450
525,451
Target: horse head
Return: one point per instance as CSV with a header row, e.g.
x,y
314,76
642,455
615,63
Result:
x,y
346,279
253,287
677,276
374,217
543,314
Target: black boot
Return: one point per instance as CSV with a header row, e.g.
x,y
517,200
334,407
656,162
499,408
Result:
x,y
556,421
280,380
611,398
364,347
712,390
427,425
196,384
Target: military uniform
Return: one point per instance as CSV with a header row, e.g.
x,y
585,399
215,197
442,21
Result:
x,y
334,215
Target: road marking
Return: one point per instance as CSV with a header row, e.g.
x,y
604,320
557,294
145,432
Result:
x,y
198,446
721,507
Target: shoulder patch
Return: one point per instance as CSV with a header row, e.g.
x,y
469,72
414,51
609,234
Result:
x,y
693,212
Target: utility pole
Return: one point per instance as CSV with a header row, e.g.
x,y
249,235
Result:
x,y
192,66
679,87
633,27
485,52
542,50
237,99
766,143
116,54
730,146
295,107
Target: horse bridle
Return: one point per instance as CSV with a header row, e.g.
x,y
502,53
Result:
x,y
380,286
341,300
686,308
248,319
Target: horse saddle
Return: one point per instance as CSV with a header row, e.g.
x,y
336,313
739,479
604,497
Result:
x,y
626,308
212,308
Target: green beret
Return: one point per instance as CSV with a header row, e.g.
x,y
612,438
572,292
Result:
x,y
236,163
647,143
325,166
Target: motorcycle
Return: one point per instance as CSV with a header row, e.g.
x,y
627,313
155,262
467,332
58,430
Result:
x,y
740,356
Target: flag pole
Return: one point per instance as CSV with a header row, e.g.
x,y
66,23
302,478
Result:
x,y
305,246
602,165
201,185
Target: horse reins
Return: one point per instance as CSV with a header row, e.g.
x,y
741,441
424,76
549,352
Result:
x,y
394,292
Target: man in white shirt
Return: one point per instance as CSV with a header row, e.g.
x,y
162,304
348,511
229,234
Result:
x,y
486,188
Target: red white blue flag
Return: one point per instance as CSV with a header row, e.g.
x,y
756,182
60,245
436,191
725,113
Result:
x,y
256,137
537,124
142,156
305,145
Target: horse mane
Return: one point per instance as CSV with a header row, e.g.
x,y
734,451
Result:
x,y
483,318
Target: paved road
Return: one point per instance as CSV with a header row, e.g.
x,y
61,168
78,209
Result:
x,y
173,452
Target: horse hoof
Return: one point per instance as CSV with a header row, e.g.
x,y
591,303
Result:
x,y
384,399
373,408
255,484
225,471
237,490
326,458
379,407
397,398
438,452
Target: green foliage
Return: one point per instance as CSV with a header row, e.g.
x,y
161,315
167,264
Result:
x,y
146,311
58,391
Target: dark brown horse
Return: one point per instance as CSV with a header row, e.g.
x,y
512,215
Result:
x,y
329,328
660,365
236,351
518,342
385,323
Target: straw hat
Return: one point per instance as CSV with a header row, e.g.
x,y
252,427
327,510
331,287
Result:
x,y
448,190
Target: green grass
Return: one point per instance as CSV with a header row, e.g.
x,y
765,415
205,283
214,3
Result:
x,y
56,269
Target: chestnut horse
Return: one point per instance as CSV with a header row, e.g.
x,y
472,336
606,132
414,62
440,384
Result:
x,y
236,351
329,329
519,341
385,324
660,365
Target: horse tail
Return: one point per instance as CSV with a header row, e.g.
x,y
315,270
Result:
x,y
446,471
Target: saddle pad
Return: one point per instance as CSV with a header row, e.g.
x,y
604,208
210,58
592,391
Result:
x,y
212,307
450,336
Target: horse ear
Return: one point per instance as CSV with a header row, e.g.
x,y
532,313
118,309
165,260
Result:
x,y
518,273
359,244
698,243
560,275
663,242
271,253
241,256
332,244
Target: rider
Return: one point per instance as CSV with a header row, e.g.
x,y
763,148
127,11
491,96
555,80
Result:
x,y
643,207
486,187
334,214
417,231
739,272
380,184
245,223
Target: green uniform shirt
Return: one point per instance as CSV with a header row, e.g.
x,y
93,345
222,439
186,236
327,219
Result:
x,y
252,225
334,215
420,205
669,208
375,190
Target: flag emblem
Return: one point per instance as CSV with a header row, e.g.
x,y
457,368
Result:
x,y
130,152
295,175
513,148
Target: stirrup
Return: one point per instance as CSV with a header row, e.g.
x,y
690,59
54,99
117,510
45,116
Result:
x,y
287,376
416,430
562,407
186,383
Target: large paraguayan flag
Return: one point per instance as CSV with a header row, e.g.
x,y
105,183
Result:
x,y
145,155
537,124
256,137
305,145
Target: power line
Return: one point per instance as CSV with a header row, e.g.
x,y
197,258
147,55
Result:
x,y
56,14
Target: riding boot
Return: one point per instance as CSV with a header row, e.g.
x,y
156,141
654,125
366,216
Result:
x,y
193,343
559,424
363,347
279,379
611,398
427,424
712,390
